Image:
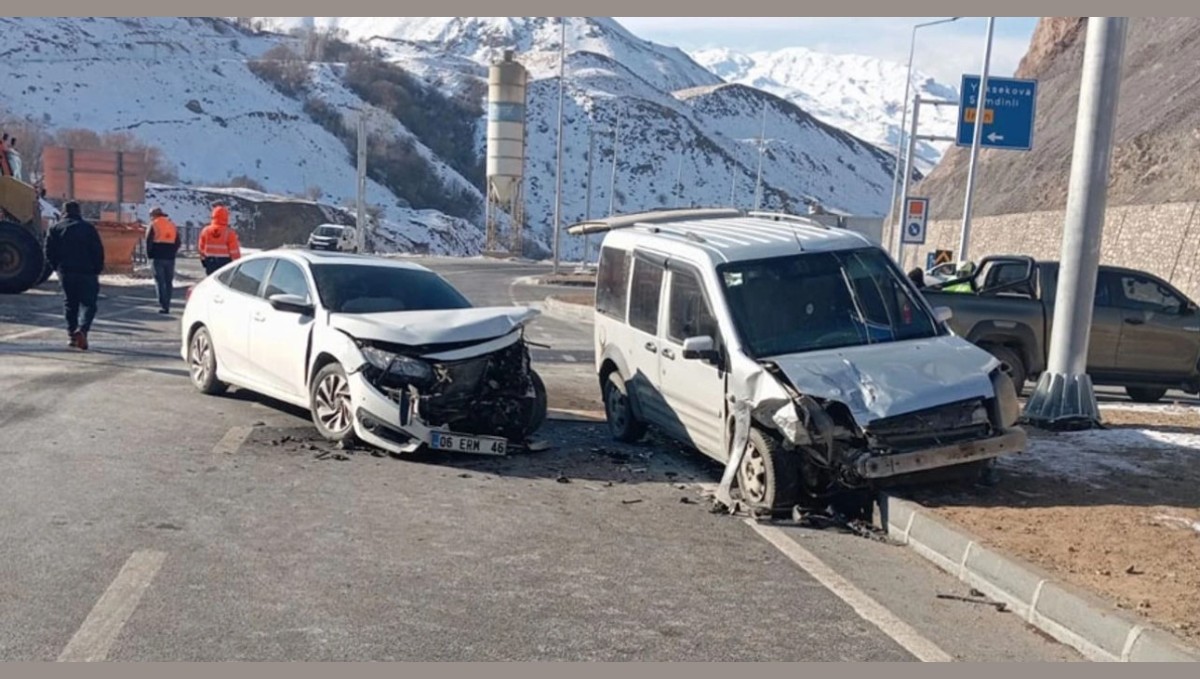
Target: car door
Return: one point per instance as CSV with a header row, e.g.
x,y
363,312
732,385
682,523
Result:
x,y
229,318
693,389
1160,337
279,340
646,291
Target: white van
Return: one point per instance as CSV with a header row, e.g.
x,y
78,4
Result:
x,y
799,355
335,237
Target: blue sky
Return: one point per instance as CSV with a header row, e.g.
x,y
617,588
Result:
x,y
944,51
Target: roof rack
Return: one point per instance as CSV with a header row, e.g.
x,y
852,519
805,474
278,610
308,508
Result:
x,y
657,217
777,216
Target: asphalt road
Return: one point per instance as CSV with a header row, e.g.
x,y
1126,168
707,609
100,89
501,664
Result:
x,y
144,521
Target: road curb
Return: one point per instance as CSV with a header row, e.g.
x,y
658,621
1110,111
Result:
x,y
1074,617
567,311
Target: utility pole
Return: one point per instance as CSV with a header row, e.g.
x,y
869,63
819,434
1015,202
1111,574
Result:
x,y
562,78
1064,396
362,182
612,185
908,170
733,184
964,238
762,141
679,178
587,201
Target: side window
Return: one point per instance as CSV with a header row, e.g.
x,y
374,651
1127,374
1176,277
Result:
x,y
1105,282
249,276
645,296
287,279
690,315
612,282
226,276
1143,294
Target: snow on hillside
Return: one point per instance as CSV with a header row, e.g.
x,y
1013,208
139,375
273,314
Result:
x,y
859,94
679,143
182,84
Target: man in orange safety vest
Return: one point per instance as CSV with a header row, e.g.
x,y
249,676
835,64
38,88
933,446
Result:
x,y
218,244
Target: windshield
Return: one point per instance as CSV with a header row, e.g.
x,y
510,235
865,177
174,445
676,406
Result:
x,y
821,300
328,231
368,289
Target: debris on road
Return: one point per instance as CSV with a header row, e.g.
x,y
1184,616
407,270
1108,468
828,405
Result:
x,y
1000,606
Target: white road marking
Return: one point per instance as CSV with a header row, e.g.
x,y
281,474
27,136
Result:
x,y
569,358
232,440
99,322
108,617
866,607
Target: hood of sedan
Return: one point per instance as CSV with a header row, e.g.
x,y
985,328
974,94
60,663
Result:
x,y
882,380
424,328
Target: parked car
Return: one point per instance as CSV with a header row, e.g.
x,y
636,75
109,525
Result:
x,y
380,350
1145,334
335,237
797,354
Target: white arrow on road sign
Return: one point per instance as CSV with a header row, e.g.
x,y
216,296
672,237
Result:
x,y
993,137
914,228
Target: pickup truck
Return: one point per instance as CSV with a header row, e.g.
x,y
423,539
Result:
x,y
1145,334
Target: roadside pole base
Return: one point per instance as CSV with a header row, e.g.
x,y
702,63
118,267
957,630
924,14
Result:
x,y
1063,402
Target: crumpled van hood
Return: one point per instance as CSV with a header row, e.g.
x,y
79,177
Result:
x,y
447,326
878,381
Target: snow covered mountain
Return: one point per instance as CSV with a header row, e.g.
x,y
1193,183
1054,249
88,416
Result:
x,y
189,87
859,94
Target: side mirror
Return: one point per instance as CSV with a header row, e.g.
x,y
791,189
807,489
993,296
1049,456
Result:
x,y
699,348
1189,309
943,314
291,303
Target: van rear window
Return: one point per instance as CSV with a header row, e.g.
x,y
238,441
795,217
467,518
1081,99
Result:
x,y
612,282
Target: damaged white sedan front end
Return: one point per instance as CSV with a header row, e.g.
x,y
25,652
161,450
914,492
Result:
x,y
455,381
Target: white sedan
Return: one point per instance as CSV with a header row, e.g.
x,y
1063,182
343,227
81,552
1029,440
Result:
x,y
381,350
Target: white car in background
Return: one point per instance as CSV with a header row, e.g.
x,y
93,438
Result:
x,y
335,237
381,350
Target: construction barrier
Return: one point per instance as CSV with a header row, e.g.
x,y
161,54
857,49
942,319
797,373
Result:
x,y
120,240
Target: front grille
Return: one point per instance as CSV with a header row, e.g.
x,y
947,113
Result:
x,y
488,395
943,425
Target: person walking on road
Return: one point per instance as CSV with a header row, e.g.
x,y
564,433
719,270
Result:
x,y
218,244
75,253
162,244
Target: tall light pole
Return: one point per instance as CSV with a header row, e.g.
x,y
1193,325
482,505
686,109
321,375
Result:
x,y
964,237
912,47
612,184
1064,395
587,204
562,78
361,200
762,145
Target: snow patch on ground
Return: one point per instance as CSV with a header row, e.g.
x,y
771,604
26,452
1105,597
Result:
x,y
1095,454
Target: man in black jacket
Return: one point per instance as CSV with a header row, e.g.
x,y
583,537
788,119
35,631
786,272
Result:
x,y
162,244
75,253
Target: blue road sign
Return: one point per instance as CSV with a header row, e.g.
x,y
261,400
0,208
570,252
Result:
x,y
1008,114
916,213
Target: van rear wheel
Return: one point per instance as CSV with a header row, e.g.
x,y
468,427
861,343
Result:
x,y
1145,394
622,423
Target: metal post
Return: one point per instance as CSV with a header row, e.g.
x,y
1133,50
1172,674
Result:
x,y
562,78
360,206
762,139
612,186
908,163
1064,395
587,201
733,184
679,179
964,238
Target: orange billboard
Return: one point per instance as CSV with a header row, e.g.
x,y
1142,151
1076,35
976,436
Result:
x,y
94,175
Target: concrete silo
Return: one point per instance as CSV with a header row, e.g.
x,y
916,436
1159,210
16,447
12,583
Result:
x,y
507,81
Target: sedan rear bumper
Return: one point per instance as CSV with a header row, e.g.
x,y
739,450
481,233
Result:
x,y
885,466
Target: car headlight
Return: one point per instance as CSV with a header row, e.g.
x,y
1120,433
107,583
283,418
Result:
x,y
397,365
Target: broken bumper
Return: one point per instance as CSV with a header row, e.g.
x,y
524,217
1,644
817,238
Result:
x,y
397,428
886,466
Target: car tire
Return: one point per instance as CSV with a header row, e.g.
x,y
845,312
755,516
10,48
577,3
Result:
x,y
1016,365
541,404
768,476
618,411
1145,394
202,363
329,404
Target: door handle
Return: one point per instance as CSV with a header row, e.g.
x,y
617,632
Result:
x,y
668,354
218,300
650,347
258,316
1135,321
